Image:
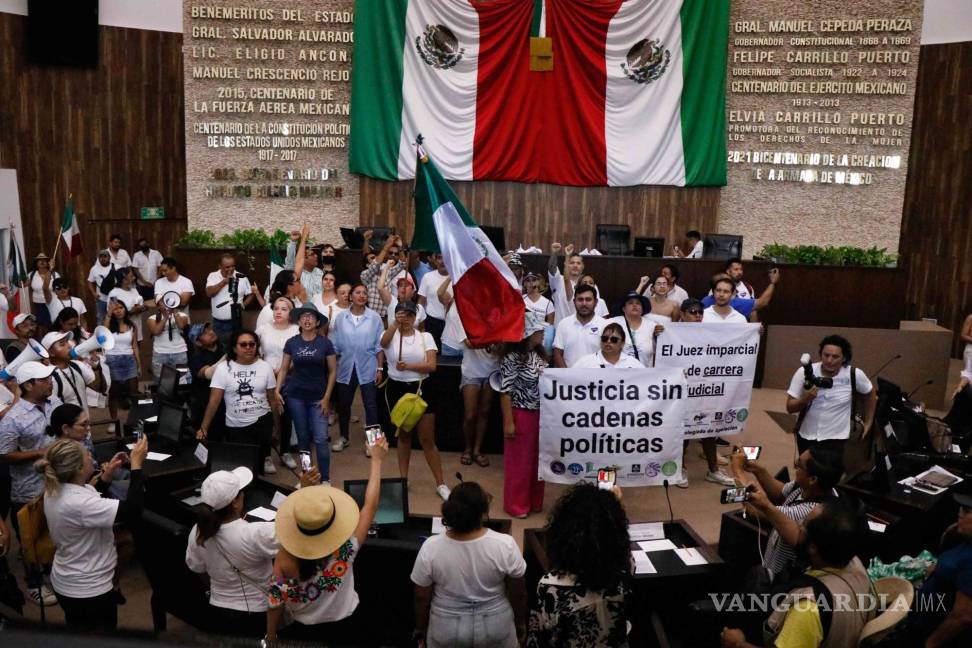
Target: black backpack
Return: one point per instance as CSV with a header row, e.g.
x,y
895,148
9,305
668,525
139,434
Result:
x,y
109,282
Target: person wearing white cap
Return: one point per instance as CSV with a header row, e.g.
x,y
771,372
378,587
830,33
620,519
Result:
x,y
403,290
72,378
81,524
236,554
24,440
96,278
62,298
320,531
24,326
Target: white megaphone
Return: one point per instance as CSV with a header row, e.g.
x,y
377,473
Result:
x,y
33,352
496,381
172,300
102,339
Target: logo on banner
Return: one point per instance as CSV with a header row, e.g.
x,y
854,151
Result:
x,y
557,467
652,469
635,469
439,47
742,415
575,468
669,468
646,61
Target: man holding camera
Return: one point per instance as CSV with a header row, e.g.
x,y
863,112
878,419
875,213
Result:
x,y
228,293
823,394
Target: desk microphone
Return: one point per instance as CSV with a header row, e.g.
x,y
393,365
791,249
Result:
x,y
885,365
671,514
931,381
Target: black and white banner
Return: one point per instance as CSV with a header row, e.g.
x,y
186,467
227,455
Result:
x,y
626,419
719,361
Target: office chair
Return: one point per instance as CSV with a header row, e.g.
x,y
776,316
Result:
x,y
649,247
613,239
721,246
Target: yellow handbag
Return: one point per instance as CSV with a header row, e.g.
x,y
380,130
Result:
x,y
35,539
410,407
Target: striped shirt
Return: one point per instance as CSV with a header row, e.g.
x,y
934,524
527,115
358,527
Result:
x,y
780,556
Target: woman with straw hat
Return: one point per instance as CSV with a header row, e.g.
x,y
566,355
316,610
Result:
x,y
320,531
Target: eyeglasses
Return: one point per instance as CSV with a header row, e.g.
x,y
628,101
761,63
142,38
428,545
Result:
x,y
246,345
694,311
613,339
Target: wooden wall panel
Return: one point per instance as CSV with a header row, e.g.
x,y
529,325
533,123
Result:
x,y
936,229
536,214
111,135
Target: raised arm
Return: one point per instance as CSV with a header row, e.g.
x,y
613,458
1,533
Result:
x,y
372,492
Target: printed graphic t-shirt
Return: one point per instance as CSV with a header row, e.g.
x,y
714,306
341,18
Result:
x,y
245,390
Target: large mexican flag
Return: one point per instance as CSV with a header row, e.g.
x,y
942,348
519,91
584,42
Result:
x,y
484,288
636,94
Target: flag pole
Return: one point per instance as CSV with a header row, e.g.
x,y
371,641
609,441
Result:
x,y
57,243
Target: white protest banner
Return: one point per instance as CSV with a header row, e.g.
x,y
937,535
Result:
x,y
719,361
629,419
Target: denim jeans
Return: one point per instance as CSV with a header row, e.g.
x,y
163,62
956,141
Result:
x,y
102,310
311,425
492,627
223,330
174,359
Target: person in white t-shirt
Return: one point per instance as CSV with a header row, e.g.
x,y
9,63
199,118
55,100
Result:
x,y
126,293
561,287
722,312
172,281
248,387
600,308
40,280
693,242
403,290
478,363
734,268
326,554
453,334
542,307
579,334
81,524
62,299
411,356
463,579
229,292
431,298
168,343
119,257
611,355
236,555
96,276
639,330
273,337
146,262
825,412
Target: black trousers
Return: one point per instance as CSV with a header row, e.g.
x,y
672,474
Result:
x,y
435,326
98,614
225,621
258,433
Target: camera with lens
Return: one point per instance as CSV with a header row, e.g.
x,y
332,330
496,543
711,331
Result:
x,y
810,380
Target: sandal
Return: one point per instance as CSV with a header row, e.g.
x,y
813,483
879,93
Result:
x,y
466,459
481,460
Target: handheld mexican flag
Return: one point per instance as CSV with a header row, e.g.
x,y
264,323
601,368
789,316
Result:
x,y
485,291
70,231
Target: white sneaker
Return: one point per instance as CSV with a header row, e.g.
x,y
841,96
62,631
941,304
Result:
x,y
268,467
443,491
325,483
289,461
45,595
682,480
340,444
720,477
